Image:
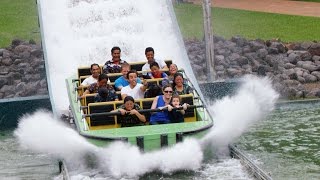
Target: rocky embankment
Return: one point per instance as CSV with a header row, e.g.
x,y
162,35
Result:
x,y
294,68
22,71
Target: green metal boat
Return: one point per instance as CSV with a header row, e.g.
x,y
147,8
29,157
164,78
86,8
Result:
x,y
100,129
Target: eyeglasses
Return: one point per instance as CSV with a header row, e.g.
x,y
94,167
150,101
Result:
x,y
167,91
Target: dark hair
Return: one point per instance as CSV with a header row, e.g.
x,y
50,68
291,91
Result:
x,y
148,49
103,92
103,76
115,48
132,71
174,78
165,86
94,64
153,91
128,98
175,96
154,64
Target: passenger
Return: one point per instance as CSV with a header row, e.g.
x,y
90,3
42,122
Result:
x,y
93,88
173,69
179,87
176,115
149,52
114,65
123,80
134,89
95,72
155,71
130,115
161,102
106,94
153,91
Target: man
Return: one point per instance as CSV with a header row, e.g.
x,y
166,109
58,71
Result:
x,y
149,52
123,80
95,72
114,65
134,89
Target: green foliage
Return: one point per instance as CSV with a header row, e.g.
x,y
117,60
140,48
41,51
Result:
x,y
18,19
248,24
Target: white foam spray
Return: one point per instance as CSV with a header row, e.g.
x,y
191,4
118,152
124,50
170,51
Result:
x,y
233,115
40,132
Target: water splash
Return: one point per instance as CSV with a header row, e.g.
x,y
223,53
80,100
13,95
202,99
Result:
x,y
40,132
233,115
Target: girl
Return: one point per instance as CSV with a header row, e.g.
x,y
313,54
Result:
x,y
176,115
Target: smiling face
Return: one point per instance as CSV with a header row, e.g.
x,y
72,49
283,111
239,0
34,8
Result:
x,y
178,81
95,71
155,71
128,105
173,69
133,79
125,70
167,92
150,56
116,55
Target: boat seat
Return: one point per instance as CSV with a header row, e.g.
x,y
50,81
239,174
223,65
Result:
x,y
114,76
102,120
146,104
190,114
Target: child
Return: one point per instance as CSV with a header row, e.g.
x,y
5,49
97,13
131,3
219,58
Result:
x,y
176,115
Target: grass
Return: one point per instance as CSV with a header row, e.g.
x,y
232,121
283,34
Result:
x,y
18,19
248,24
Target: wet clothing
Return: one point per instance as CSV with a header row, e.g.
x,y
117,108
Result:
x,y
121,81
110,67
128,120
89,80
162,116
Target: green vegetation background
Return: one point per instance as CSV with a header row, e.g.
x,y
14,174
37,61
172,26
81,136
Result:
x,y
18,19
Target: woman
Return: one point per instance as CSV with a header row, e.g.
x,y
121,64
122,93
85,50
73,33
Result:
x,y
130,115
179,87
173,69
94,87
161,102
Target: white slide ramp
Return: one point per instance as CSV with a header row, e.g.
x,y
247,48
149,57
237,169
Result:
x,y
81,32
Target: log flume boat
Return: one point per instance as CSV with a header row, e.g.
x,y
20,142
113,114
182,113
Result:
x,y
94,121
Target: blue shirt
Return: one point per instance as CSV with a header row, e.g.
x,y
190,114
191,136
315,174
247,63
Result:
x,y
121,81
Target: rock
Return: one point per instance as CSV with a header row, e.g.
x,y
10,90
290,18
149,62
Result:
x,y
316,58
310,78
294,58
316,74
262,53
289,66
315,49
7,61
16,42
1,51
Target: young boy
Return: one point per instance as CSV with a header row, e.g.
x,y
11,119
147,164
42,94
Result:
x,y
176,115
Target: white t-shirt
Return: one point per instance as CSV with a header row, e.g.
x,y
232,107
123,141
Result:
x,y
136,92
161,63
88,81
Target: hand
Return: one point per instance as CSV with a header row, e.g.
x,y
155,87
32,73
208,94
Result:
x,y
133,112
122,111
185,106
169,107
145,83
